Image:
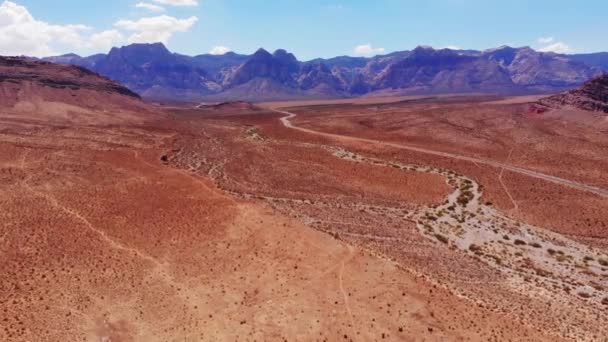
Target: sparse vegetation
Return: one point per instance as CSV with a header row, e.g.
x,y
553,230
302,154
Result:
x,y
496,258
597,286
475,249
465,197
560,257
519,242
442,238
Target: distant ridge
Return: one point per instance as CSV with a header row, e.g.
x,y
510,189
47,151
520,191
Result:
x,y
156,73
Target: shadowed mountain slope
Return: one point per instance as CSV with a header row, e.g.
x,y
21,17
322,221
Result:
x,y
156,73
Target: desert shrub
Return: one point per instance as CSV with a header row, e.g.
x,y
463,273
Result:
x,y
519,242
541,272
474,248
442,238
465,197
603,262
497,259
506,237
584,295
536,245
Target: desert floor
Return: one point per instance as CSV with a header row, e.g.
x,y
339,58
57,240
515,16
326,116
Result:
x,y
326,222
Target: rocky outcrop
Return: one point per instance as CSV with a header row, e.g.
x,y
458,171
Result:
x,y
17,70
592,96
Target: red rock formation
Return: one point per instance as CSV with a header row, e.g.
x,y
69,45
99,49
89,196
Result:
x,y
592,96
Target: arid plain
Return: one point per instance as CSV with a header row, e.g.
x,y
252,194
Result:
x,y
435,218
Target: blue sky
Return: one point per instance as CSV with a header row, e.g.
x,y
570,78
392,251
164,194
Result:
x,y
309,29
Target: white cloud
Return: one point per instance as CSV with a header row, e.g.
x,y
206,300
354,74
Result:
x,y
219,50
453,47
367,50
177,2
22,34
558,47
106,40
150,7
545,40
155,29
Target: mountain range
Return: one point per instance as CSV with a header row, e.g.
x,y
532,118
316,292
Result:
x,y
156,73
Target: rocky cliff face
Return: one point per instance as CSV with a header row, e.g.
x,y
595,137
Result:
x,y
318,74
153,71
426,69
592,96
547,71
281,67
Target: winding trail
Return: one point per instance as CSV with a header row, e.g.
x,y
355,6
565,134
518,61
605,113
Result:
x,y
160,268
504,186
343,291
553,179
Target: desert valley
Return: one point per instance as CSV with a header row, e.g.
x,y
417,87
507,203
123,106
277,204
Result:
x,y
421,217
430,194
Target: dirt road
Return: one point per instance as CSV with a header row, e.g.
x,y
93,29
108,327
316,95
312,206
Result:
x,y
566,182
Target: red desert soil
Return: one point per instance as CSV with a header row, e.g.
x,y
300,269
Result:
x,y
118,223
103,241
480,242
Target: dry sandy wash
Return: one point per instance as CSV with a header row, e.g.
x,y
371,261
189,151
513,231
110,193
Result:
x,y
326,224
